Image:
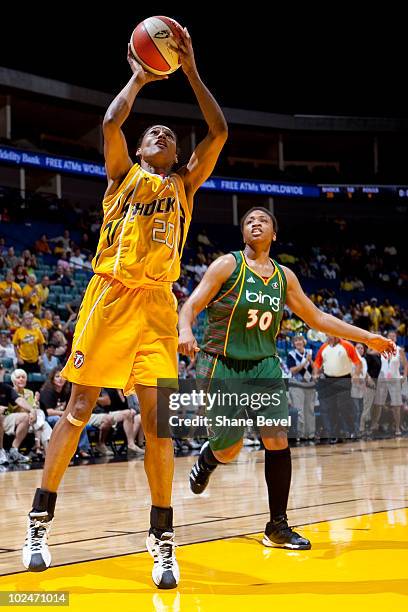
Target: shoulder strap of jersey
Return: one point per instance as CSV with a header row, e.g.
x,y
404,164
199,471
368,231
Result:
x,y
238,257
232,280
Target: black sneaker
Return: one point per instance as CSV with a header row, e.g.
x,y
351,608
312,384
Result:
x,y
279,534
200,474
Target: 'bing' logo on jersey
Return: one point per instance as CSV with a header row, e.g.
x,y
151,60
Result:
x,y
251,280
263,298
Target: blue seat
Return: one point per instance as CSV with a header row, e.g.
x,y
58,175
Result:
x,y
8,363
36,377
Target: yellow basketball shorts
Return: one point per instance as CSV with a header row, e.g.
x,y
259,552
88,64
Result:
x,y
124,336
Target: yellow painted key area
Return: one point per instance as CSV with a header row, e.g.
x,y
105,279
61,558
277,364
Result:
x,y
358,563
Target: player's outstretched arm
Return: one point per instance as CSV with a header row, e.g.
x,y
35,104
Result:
x,y
117,159
306,310
205,155
210,284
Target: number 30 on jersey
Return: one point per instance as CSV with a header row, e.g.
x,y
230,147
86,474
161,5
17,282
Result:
x,y
264,321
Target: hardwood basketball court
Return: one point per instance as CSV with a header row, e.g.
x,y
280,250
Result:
x,y
351,500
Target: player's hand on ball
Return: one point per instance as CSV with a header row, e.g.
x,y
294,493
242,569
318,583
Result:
x,y
383,345
142,75
187,344
185,50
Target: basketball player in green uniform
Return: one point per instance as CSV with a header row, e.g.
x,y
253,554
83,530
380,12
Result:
x,y
245,293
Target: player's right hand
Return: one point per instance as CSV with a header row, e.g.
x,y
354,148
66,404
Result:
x,y
187,344
142,75
382,345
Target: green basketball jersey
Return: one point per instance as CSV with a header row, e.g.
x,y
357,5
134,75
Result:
x,y
243,319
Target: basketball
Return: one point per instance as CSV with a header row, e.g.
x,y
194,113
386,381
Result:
x,y
153,47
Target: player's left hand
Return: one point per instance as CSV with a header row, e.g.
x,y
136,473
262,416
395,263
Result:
x,y
383,345
185,51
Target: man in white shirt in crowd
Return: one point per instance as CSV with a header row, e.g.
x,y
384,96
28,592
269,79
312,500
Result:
x,y
334,360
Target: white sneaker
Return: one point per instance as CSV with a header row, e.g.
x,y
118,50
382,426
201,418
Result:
x,y
17,457
135,450
248,442
104,450
3,456
36,555
166,572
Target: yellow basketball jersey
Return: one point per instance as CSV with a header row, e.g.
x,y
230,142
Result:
x,y
144,230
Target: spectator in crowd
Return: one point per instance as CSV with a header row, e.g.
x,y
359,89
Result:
x,y
58,339
47,320
373,313
13,318
358,388
10,291
30,295
335,359
112,409
6,347
57,324
73,305
11,259
302,394
76,260
43,290
20,274
38,425
390,382
87,265
29,344
57,276
59,249
54,396
67,280
29,261
4,323
387,314
49,361
373,360
65,241
64,261
41,246
12,423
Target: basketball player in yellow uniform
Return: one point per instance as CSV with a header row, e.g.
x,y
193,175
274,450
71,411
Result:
x,y
126,333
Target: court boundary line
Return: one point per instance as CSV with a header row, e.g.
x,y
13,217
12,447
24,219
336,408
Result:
x,y
121,532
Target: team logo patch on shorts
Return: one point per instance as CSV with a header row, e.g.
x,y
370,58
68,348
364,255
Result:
x,y
79,359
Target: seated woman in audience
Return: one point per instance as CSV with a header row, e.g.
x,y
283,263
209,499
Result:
x,y
38,425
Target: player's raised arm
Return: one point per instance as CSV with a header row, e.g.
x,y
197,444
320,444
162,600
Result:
x,y
210,284
306,310
117,159
205,155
